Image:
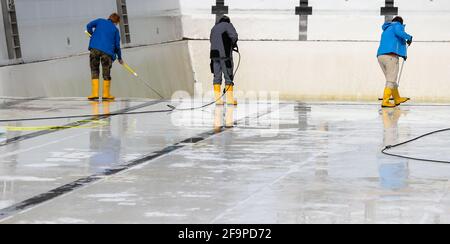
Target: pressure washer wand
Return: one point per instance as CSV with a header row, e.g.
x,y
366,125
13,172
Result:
x,y
401,70
148,85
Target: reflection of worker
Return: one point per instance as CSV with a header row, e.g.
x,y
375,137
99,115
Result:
x,y
3,136
303,111
390,124
229,117
104,47
223,39
222,120
103,143
218,119
394,173
106,105
392,48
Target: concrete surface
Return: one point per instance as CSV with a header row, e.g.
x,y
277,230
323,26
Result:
x,y
291,162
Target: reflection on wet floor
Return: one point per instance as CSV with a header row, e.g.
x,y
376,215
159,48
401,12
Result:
x,y
224,117
3,136
393,174
291,163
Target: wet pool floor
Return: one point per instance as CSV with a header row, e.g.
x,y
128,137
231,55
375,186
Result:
x,y
292,162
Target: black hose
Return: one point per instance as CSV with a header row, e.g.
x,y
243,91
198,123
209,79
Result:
x,y
387,148
97,116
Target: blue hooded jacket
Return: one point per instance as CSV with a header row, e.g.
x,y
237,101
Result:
x,y
394,40
105,37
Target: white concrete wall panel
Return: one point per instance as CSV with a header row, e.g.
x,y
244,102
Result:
x,y
55,28
70,77
345,19
255,19
331,70
154,21
427,20
338,63
331,20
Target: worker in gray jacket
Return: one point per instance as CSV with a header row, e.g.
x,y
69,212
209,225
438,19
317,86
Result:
x,y
223,40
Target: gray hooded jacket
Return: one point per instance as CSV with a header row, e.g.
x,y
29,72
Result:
x,y
223,38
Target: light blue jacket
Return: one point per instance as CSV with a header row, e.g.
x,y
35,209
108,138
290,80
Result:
x,y
105,37
394,40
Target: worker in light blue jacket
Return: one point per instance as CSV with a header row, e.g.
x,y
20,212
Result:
x,y
393,46
104,47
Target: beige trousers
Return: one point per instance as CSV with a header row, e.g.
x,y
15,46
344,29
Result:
x,y
390,66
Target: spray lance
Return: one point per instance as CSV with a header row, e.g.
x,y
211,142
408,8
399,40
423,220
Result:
x,y
403,63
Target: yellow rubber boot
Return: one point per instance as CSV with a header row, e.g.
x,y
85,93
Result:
x,y
397,98
107,91
386,98
230,95
95,86
218,94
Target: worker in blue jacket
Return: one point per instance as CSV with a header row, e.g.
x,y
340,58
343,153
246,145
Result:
x,y
105,48
393,47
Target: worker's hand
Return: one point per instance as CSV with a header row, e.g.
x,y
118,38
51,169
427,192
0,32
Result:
x,y
236,47
409,42
121,61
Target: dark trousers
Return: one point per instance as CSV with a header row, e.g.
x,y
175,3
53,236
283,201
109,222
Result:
x,y
96,58
222,67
